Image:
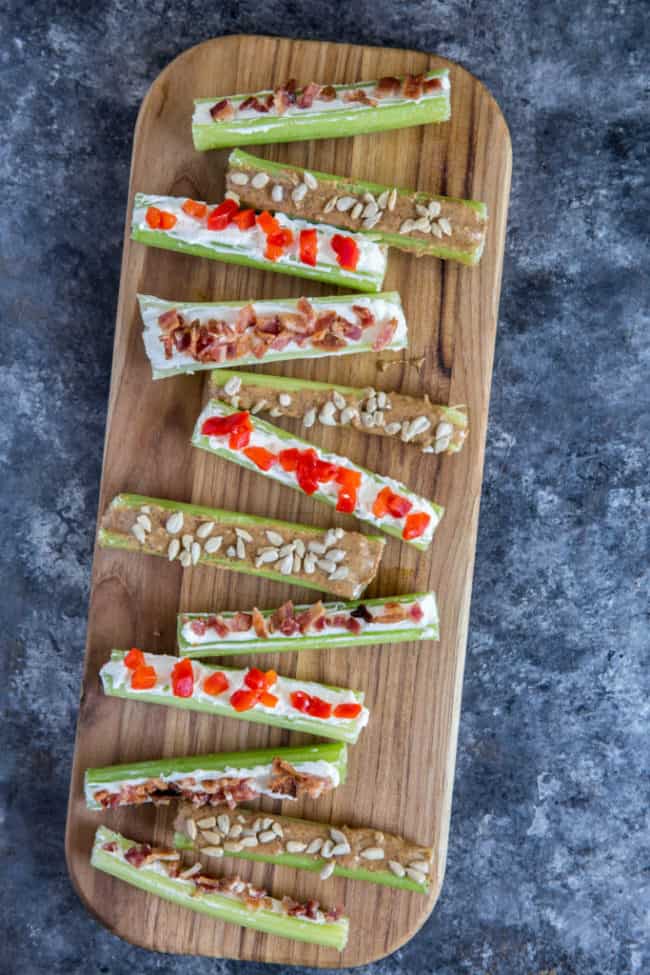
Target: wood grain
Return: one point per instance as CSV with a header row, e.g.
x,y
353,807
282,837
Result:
x,y
401,772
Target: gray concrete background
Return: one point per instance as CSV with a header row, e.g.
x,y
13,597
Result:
x,y
549,858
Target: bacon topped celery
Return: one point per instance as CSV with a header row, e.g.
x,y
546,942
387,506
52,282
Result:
x,y
253,443
195,535
263,697
361,853
182,337
372,621
158,871
412,419
224,232
289,113
419,223
222,779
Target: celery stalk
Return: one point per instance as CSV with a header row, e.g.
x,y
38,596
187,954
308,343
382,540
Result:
x,y
337,729
268,431
331,934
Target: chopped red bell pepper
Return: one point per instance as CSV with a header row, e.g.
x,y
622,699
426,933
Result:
x,y
267,223
183,678
415,525
348,710
261,457
346,501
243,700
277,243
346,250
309,246
134,659
299,700
220,217
387,502
245,219
143,678
310,704
273,251
216,683
325,471
350,482
240,438
194,209
268,700
221,426
270,678
167,220
380,504
152,216
255,679
289,458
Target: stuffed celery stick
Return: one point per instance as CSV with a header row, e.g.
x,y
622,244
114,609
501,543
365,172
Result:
x,y
411,419
183,337
260,446
290,114
228,778
250,695
195,535
360,853
223,232
158,871
420,223
289,627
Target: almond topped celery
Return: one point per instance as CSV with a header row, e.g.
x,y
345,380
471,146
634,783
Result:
x,y
289,113
417,222
412,419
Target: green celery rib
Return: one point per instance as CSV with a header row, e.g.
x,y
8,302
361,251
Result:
x,y
111,539
224,648
346,731
271,356
331,934
323,125
203,443
357,187
335,754
363,281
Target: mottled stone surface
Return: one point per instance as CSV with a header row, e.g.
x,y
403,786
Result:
x,y
548,858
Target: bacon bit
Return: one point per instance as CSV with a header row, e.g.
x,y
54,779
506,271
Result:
x,y
110,847
365,315
362,613
304,307
222,111
246,317
143,678
286,781
254,103
391,613
413,86
359,96
281,100
416,612
306,98
346,250
194,209
415,525
327,94
328,341
385,335
284,612
169,320
217,623
134,659
308,619
136,855
388,86
216,683
432,84
347,710
183,678
241,622
335,913
198,627
259,625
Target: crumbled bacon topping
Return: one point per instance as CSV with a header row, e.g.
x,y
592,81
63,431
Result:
x,y
413,86
212,792
136,855
388,86
222,111
309,617
391,613
432,84
306,97
259,625
362,613
285,780
360,96
110,847
327,94
385,335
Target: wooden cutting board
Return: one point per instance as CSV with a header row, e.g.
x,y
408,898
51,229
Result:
x,y
401,772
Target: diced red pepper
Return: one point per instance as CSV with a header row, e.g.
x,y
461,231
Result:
x,y
289,458
220,217
299,700
134,659
270,678
194,209
316,707
255,679
325,471
261,457
183,678
221,426
346,501
216,683
268,700
240,438
273,251
346,250
245,219
143,678
348,710
415,525
387,502
167,220
380,504
416,612
350,482
277,242
308,246
152,216
243,700
267,223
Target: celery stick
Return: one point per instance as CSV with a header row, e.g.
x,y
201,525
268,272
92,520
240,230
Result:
x,y
108,855
191,236
237,642
275,439
323,120
116,680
